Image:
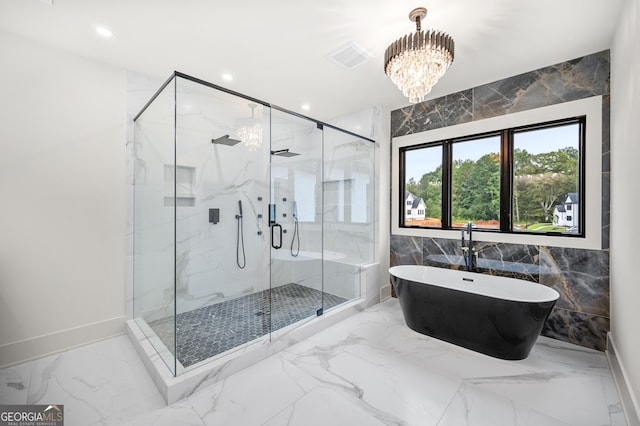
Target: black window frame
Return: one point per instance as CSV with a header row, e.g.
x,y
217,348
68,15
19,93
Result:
x,y
506,177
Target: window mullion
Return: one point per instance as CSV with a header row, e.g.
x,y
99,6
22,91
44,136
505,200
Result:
x,y
506,180
446,184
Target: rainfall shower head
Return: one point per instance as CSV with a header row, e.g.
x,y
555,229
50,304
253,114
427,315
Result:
x,y
225,140
284,153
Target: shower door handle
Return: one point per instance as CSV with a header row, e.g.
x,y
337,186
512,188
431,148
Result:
x,y
273,239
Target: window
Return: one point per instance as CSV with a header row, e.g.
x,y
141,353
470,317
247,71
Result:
x,y
475,182
525,179
423,172
546,175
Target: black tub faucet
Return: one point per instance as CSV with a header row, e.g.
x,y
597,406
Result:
x,y
467,248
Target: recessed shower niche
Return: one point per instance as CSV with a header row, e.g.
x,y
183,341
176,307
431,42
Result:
x,y
290,248
178,185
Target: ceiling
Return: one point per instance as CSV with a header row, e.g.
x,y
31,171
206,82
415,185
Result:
x,y
276,50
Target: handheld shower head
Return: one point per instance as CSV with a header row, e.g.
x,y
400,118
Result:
x,y
295,210
240,207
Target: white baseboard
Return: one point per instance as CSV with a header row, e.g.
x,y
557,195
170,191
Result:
x,y
627,396
385,292
48,344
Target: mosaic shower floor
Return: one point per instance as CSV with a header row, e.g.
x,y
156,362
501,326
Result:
x,y
208,331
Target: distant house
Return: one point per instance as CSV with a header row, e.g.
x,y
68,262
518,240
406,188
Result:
x,y
566,214
414,207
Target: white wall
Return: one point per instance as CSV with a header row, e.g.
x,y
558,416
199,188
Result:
x,y
625,203
383,165
61,200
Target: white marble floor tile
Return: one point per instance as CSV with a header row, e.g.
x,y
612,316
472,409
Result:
x,y
575,400
473,406
616,414
97,384
550,354
377,380
253,395
321,407
14,384
370,369
180,413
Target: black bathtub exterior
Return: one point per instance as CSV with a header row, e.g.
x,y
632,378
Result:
x,y
499,328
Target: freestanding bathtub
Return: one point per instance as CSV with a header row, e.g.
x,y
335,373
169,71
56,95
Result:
x,y
497,316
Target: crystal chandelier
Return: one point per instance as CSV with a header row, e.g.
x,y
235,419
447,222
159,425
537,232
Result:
x,y
417,61
249,131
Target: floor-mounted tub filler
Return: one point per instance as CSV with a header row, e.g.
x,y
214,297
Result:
x,y
497,316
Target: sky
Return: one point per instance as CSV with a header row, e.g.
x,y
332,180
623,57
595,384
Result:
x,y
421,161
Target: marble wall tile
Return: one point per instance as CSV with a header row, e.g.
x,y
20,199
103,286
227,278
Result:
x,y
580,276
431,246
501,259
578,328
405,250
442,253
567,81
433,114
518,261
606,169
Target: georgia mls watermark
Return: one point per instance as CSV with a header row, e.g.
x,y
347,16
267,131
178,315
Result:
x,y
32,415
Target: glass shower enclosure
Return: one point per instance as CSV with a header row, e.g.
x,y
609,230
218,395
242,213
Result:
x,y
248,220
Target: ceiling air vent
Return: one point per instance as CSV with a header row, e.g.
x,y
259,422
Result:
x,y
349,56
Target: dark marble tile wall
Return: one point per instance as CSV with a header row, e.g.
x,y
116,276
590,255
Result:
x,y
567,81
445,111
581,316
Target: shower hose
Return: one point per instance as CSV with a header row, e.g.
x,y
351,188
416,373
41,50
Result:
x,y
295,239
241,258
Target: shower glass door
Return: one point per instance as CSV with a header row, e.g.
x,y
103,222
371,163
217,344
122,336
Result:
x,y
295,219
221,251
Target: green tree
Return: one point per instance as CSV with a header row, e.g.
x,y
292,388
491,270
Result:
x,y
476,192
543,180
461,183
431,192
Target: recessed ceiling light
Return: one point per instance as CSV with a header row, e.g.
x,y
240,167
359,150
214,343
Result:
x,y
104,32
305,107
227,77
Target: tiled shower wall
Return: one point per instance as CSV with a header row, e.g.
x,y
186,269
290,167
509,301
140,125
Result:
x,y
581,316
